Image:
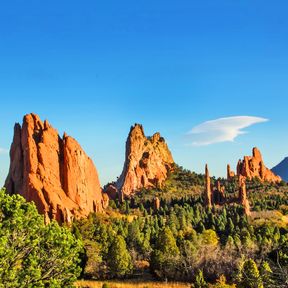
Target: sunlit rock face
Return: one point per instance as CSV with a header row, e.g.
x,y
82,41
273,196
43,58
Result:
x,y
53,172
253,166
208,189
147,162
243,200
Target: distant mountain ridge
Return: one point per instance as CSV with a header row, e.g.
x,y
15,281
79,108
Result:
x,y
281,169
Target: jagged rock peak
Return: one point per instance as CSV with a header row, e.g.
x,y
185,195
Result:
x,y
253,166
147,163
53,172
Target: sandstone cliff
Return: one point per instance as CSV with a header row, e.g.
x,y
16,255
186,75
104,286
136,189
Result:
x,y
53,172
253,166
147,162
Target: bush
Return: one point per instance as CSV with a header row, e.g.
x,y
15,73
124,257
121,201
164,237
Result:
x,y
33,254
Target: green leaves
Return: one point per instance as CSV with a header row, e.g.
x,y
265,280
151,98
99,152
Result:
x,y
33,254
119,259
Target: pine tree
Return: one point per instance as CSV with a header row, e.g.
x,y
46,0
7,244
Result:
x,y
266,273
164,258
119,259
249,276
199,280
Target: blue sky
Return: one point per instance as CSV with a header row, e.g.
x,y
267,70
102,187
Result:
x,y
94,68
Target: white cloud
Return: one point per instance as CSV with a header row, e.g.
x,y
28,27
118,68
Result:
x,y
221,129
3,151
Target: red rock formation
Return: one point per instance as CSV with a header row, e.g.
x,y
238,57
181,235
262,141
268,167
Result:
x,y
253,166
53,172
243,195
156,204
147,162
219,193
208,190
111,190
230,173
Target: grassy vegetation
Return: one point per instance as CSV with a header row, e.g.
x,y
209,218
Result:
x,y
131,284
133,245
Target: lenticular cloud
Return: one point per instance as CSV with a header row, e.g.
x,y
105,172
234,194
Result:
x,y
221,129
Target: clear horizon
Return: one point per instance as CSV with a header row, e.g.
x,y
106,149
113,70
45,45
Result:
x,y
94,70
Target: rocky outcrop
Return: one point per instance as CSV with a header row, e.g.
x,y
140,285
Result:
x,y
253,166
53,172
219,193
147,162
156,203
230,173
208,191
243,195
111,190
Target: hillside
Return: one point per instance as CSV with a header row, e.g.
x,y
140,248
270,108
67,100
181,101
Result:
x,y
281,169
179,239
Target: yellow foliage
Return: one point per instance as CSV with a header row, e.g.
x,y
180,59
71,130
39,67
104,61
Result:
x,y
131,284
209,237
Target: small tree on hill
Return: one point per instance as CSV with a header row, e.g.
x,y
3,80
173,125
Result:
x,y
119,259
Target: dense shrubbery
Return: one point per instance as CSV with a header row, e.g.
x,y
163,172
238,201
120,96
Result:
x,y
185,241
33,254
181,241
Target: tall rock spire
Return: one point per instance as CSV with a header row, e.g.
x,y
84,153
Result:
x,y
208,191
243,195
53,172
230,173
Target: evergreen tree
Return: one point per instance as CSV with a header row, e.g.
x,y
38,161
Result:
x,y
199,280
33,254
249,276
266,273
165,256
119,259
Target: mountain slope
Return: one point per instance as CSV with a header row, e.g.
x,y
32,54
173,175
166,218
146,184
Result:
x,y
282,169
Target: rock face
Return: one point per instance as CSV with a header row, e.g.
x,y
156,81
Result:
x,y
147,162
53,172
243,195
208,190
253,166
230,173
282,169
111,191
